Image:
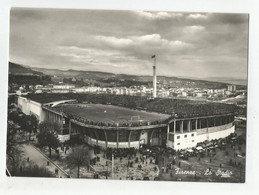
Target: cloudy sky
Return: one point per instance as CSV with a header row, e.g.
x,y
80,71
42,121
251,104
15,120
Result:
x,y
186,44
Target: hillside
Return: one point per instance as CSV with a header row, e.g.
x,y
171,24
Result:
x,y
19,69
111,79
105,78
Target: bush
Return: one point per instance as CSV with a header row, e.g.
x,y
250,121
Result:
x,y
34,170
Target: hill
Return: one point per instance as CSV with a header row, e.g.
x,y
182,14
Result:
x,y
20,69
111,79
105,78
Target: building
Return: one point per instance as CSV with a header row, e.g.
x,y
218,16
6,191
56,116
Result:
x,y
177,132
232,88
34,107
63,86
186,133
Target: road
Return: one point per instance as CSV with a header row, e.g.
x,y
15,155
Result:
x,y
36,157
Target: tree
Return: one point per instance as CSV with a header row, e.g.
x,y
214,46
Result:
x,y
47,135
33,170
79,157
13,150
30,124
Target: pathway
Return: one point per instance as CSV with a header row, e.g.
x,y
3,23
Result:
x,y
35,156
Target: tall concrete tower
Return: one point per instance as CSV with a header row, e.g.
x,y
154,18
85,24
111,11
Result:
x,y
154,77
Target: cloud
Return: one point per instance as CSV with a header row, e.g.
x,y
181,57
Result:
x,y
198,16
113,40
98,57
123,41
158,15
193,29
154,40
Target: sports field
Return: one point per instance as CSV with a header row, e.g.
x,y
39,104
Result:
x,y
109,113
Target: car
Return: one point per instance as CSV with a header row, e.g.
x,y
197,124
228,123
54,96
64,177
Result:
x,y
233,141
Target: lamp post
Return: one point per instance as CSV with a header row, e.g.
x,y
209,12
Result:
x,y
112,165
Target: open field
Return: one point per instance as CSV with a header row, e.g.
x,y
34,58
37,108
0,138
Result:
x,y
109,113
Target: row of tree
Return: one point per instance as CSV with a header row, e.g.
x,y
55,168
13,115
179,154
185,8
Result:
x,y
47,136
29,123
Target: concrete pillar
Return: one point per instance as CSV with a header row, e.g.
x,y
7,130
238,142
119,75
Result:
x,y
196,124
207,124
62,130
96,135
69,127
168,130
189,125
181,126
174,125
151,136
129,139
160,137
106,140
117,138
112,165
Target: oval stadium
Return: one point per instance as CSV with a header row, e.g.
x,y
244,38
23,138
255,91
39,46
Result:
x,y
113,121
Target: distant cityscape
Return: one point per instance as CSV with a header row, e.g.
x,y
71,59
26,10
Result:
x,y
56,84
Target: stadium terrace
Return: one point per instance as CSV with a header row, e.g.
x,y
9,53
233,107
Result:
x,y
118,121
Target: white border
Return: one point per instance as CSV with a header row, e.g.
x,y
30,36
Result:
x,y
73,186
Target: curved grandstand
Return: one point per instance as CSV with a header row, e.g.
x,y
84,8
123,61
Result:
x,y
129,121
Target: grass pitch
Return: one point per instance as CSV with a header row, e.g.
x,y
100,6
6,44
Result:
x,y
110,113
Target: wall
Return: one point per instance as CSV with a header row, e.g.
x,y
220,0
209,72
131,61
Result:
x,y
200,136
144,136
30,107
112,144
23,105
134,144
123,144
63,138
170,144
154,141
216,132
185,142
222,134
36,109
102,144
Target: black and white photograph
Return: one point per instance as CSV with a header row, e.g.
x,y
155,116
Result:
x,y
127,95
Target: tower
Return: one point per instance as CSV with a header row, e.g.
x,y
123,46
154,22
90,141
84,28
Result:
x,y
154,77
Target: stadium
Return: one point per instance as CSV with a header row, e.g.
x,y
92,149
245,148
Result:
x,y
118,121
